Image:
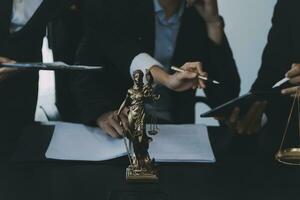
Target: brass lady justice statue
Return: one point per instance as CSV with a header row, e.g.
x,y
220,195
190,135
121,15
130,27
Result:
x,y
141,166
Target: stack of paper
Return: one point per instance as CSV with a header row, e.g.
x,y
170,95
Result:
x,y
174,143
79,142
182,143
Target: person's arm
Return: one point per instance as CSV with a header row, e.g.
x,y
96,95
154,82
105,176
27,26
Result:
x,y
115,32
250,123
89,90
222,67
120,39
275,60
96,102
277,55
111,38
219,62
209,11
93,92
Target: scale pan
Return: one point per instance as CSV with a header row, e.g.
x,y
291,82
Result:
x,y
290,156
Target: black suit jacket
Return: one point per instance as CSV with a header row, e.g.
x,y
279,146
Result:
x,y
18,94
282,49
121,29
64,34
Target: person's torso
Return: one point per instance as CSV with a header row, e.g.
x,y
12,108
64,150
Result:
x,y
25,43
190,45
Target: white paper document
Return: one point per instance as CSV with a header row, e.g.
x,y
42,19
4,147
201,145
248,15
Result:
x,y
173,143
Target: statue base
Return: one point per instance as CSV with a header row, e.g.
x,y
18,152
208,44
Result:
x,y
140,176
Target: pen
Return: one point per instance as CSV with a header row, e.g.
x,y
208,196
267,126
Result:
x,y
199,76
282,81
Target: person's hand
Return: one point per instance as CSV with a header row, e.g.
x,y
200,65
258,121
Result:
x,y
5,73
294,76
250,124
113,124
208,9
182,81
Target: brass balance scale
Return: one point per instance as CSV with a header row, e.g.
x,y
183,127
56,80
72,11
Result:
x,y
290,155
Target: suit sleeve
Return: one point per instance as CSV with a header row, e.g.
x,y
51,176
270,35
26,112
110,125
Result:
x,y
89,89
276,59
109,40
222,68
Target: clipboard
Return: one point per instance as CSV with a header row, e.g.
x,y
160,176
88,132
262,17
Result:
x,y
243,102
51,66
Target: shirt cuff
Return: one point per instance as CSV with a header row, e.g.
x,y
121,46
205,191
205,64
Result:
x,y
143,62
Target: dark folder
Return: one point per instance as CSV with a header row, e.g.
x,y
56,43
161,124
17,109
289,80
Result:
x,y
51,66
243,102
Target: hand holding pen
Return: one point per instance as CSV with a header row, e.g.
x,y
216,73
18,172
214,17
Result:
x,y
189,73
189,76
201,76
293,77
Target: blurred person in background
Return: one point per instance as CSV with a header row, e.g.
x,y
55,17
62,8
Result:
x,y
22,28
125,35
64,34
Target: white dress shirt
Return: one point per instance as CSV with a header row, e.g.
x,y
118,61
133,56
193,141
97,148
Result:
x,y
166,31
22,12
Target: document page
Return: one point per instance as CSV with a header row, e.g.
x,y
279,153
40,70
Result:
x,y
173,143
79,142
182,143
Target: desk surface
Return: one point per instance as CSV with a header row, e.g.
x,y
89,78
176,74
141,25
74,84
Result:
x,y
235,175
